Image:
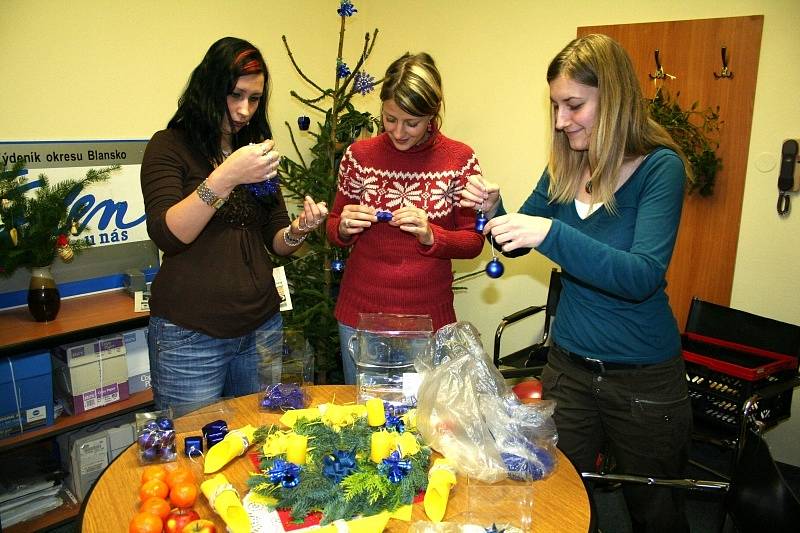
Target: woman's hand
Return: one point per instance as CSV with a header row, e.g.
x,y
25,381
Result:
x,y
415,221
480,194
355,218
516,230
310,218
253,163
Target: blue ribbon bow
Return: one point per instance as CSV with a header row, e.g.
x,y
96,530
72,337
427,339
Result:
x,y
285,473
338,466
395,468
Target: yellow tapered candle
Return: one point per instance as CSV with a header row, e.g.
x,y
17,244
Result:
x,y
296,449
376,416
382,444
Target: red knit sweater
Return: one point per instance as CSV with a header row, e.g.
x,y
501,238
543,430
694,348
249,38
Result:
x,y
388,270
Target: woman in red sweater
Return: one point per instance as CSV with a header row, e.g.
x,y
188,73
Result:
x,y
416,174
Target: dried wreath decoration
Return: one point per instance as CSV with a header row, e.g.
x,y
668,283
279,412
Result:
x,y
339,462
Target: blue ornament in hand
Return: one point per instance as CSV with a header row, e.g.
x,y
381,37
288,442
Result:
x,y
495,268
383,216
303,122
480,222
337,265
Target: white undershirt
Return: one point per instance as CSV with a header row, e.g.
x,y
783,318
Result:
x,y
583,208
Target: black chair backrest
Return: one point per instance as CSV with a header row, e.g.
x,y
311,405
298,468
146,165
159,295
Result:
x,y
759,499
553,294
726,323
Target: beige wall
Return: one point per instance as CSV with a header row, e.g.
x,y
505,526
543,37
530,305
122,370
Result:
x,y
107,70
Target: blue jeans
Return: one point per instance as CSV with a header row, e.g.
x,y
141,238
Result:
x,y
189,369
348,360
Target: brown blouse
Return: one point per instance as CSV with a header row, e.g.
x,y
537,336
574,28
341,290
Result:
x,y
221,283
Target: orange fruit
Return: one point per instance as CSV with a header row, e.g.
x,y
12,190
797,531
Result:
x,y
183,494
154,487
145,523
179,474
157,506
154,472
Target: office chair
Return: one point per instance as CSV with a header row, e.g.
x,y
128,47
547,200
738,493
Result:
x,y
529,361
757,497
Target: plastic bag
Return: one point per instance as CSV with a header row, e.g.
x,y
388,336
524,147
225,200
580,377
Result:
x,y
466,412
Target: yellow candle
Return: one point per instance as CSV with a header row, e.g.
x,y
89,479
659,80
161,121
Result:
x,y
381,446
376,416
296,449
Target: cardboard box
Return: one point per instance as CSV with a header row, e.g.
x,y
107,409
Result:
x,y
85,452
85,456
26,393
138,358
92,374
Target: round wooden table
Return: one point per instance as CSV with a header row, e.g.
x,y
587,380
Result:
x,y
560,501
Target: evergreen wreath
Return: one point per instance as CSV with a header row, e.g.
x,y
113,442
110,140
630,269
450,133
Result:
x,y
339,479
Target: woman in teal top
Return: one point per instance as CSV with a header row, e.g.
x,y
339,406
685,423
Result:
x,y
607,210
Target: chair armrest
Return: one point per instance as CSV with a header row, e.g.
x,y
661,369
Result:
x,y
510,319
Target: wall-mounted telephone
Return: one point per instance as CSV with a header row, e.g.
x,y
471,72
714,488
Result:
x,y
789,176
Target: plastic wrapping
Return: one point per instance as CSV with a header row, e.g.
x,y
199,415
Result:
x,y
467,413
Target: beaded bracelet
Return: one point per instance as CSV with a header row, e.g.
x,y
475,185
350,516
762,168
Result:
x,y
293,241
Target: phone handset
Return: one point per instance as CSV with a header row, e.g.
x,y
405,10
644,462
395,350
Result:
x,y
789,176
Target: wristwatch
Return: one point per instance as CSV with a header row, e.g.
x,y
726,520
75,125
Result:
x,y
208,196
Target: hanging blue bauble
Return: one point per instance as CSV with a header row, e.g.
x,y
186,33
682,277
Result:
x,y
495,268
303,122
480,222
337,265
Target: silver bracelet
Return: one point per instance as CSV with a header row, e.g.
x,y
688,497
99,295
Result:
x,y
293,241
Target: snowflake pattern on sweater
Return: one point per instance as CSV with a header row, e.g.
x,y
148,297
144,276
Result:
x,y
434,191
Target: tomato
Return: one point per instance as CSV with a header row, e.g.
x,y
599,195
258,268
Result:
x,y
154,487
200,526
154,472
179,474
183,494
157,506
145,523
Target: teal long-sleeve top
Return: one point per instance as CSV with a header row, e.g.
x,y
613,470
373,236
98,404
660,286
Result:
x,y
613,304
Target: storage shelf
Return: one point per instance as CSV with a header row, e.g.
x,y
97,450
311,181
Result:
x,y
79,318
136,401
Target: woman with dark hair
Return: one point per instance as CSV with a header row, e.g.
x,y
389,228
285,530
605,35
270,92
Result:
x,y
214,208
607,210
411,174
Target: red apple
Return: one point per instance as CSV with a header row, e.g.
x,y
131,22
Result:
x,y
177,519
200,526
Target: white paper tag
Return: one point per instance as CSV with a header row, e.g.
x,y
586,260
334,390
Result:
x,y
282,284
141,301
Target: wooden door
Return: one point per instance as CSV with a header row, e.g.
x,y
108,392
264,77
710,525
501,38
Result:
x,y
690,50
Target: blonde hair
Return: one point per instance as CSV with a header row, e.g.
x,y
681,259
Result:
x,y
623,127
415,85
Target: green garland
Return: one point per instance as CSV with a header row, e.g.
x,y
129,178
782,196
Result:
x,y
365,492
32,224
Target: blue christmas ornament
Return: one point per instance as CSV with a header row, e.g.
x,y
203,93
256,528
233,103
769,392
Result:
x,y
383,216
480,222
342,70
346,9
303,122
337,265
363,82
395,423
338,466
495,268
264,188
285,473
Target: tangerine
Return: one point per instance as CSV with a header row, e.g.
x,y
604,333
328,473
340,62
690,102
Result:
x,y
179,474
154,487
145,523
157,506
183,494
154,472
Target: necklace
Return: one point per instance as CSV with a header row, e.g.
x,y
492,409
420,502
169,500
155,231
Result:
x,y
226,153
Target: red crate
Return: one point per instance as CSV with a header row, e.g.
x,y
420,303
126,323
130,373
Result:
x,y
722,375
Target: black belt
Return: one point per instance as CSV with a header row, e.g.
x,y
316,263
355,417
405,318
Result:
x,y
596,366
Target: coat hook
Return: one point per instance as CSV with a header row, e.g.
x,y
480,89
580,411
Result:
x,y
659,73
725,72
